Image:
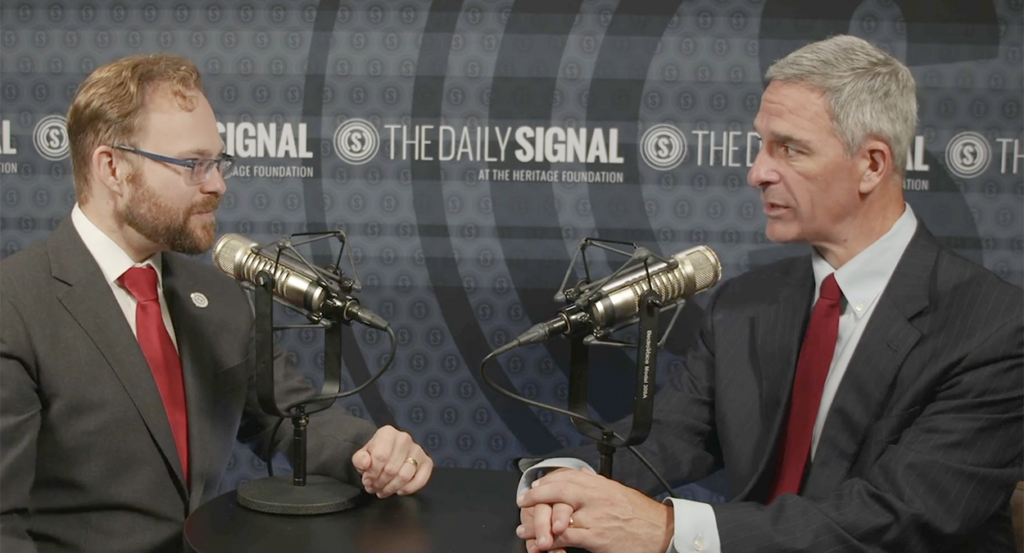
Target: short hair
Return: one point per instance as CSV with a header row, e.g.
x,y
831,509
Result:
x,y
869,92
108,106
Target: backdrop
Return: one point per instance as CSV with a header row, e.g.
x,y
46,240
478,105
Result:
x,y
466,147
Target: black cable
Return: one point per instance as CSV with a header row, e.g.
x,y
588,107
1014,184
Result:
x,y
604,428
650,467
361,387
356,390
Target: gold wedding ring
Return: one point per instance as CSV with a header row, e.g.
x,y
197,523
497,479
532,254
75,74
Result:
x,y
570,522
414,462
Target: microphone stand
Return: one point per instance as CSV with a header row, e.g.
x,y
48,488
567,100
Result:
x,y
643,398
576,323
301,494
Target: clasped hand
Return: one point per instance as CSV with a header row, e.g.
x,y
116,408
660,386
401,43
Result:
x,y
577,508
391,462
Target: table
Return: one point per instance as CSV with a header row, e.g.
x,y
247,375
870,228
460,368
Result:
x,y
459,510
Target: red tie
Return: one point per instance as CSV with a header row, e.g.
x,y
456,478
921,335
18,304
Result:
x,y
160,353
811,370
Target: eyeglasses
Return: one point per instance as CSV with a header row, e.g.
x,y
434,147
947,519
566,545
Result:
x,y
199,169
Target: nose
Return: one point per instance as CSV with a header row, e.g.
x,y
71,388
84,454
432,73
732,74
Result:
x,y
214,184
762,172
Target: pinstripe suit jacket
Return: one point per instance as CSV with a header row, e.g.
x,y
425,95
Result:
x,y
87,458
921,446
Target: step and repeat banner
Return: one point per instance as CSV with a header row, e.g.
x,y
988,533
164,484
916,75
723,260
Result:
x,y
466,147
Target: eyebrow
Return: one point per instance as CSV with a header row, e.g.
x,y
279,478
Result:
x,y
201,153
787,139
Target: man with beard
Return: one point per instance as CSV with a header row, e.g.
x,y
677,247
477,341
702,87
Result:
x,y
125,369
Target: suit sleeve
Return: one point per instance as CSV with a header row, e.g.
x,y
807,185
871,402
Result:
x,y
948,473
682,445
20,411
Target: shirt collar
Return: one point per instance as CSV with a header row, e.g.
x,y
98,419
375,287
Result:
x,y
113,260
863,278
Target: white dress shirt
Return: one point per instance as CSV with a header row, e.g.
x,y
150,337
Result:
x,y
113,261
862,280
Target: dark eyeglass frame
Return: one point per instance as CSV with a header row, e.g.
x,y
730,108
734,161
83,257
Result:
x,y
199,169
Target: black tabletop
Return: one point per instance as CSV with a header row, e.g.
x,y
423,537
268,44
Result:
x,y
459,510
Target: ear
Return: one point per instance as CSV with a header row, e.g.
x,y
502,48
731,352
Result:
x,y
877,164
109,170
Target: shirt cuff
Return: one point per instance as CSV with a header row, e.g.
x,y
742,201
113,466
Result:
x,y
696,528
537,470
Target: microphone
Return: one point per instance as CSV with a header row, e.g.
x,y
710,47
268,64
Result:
x,y
293,284
618,301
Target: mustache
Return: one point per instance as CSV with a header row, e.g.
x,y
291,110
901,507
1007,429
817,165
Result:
x,y
210,203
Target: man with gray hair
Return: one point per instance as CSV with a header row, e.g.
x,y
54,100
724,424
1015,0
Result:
x,y
866,397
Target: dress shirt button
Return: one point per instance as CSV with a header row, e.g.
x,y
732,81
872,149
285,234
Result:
x,y
698,543
859,307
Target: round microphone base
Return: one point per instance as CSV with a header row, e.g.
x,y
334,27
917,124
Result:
x,y
278,495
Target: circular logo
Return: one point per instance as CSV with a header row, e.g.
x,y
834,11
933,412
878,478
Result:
x,y
663,147
200,300
356,141
968,154
51,137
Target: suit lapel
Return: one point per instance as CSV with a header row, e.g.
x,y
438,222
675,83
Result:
x,y
885,343
88,300
191,333
778,333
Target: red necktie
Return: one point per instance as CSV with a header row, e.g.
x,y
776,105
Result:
x,y
811,370
160,353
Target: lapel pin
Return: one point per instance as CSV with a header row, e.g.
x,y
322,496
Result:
x,y
200,300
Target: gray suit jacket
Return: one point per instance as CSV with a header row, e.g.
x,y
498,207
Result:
x,y
87,458
922,444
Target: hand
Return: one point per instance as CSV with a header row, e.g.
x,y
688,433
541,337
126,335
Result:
x,y
542,524
391,462
607,517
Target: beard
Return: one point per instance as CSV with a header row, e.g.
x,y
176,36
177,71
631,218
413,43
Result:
x,y
162,224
